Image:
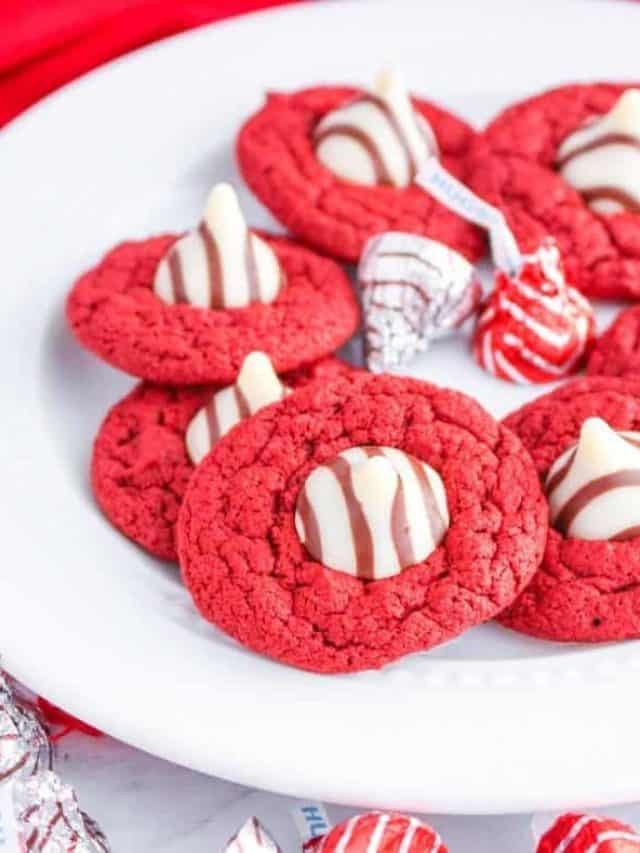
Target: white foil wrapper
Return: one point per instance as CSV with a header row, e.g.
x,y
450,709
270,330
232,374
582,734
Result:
x,y
252,837
37,811
413,290
49,817
24,744
9,839
289,821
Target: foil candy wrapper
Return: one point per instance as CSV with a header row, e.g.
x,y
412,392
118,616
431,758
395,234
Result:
x,y
289,823
609,830
24,745
37,811
49,817
413,290
252,837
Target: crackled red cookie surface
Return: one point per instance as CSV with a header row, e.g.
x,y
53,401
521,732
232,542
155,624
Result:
x,y
587,589
617,351
278,160
141,462
520,165
114,311
244,562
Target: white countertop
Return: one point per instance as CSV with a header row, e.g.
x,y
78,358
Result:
x,y
146,804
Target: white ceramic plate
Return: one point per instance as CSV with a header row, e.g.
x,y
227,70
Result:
x,y
492,722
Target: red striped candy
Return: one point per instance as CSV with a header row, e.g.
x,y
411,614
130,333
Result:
x,y
576,833
377,832
534,326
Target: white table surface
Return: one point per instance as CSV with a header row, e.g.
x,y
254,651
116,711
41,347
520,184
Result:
x,y
146,804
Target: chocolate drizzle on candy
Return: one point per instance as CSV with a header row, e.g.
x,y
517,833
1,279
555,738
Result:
x,y
594,487
377,138
372,512
23,740
414,290
257,386
535,327
220,264
601,159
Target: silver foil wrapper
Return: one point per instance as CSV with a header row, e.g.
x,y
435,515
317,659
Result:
x,y
45,813
252,837
413,290
24,745
49,817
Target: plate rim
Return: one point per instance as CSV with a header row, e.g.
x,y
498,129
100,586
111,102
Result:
x,y
580,660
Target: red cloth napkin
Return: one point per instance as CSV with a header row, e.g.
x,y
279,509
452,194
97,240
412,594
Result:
x,y
46,43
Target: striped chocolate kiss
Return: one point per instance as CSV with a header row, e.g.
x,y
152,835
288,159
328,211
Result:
x,y
594,487
601,159
534,327
372,512
578,833
257,386
220,264
414,290
377,832
377,138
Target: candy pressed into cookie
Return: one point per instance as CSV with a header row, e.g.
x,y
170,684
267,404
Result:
x,y
187,310
566,163
336,165
584,439
356,522
151,441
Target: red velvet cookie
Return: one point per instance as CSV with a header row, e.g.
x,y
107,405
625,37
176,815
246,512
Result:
x,y
277,159
512,167
617,351
585,590
141,468
248,572
114,312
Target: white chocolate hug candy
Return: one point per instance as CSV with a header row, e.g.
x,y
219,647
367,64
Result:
x,y
372,512
257,386
602,158
377,138
594,487
414,290
220,264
